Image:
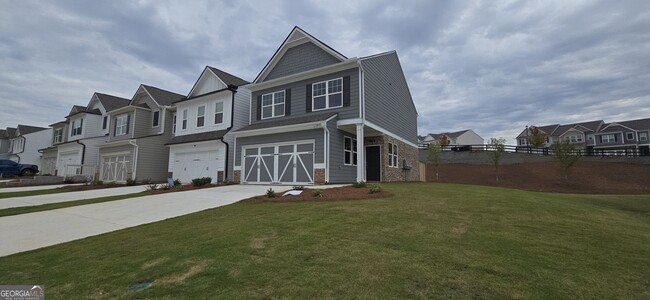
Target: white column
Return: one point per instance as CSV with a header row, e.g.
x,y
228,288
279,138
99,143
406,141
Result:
x,y
361,161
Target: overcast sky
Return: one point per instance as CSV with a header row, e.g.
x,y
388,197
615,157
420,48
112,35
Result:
x,y
492,66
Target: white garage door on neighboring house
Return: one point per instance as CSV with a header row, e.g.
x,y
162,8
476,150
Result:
x,y
68,165
115,167
291,163
188,166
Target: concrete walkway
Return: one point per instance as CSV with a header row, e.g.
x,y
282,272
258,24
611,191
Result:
x,y
33,188
35,230
69,196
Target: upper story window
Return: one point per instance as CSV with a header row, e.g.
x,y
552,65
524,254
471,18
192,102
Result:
x,y
218,113
273,105
576,138
156,119
58,135
76,127
105,122
200,116
590,137
349,151
392,155
18,145
608,138
643,136
523,142
184,122
327,94
629,135
122,125
174,123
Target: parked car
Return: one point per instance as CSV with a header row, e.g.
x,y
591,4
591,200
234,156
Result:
x,y
12,168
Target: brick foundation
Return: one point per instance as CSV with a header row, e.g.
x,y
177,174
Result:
x,y
236,176
319,176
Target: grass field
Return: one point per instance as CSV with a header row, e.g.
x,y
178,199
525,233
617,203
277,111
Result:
x,y
428,241
31,193
36,208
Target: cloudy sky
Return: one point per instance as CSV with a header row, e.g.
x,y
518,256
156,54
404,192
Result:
x,y
492,66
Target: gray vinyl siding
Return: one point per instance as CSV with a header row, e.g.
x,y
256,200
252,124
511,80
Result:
x,y
313,134
241,110
339,172
153,158
127,136
115,149
142,125
387,97
299,97
301,58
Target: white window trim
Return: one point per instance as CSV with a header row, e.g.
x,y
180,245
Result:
x,y
643,136
174,123
272,105
153,119
627,136
105,119
122,127
393,152
612,140
223,119
200,116
184,120
353,151
58,137
327,94
73,129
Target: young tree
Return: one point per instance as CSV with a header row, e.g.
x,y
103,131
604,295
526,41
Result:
x,y
434,150
497,149
535,137
565,153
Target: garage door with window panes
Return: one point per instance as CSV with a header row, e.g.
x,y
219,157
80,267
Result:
x,y
284,164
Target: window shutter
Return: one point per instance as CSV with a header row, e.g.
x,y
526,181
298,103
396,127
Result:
x,y
308,96
128,123
81,125
115,127
346,91
287,102
259,107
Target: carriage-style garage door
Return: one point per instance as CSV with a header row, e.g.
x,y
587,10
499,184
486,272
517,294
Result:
x,y
115,167
290,163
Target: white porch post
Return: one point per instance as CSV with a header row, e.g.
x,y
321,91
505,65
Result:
x,y
361,161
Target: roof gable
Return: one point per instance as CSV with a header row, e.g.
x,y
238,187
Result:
x,y
110,102
159,96
26,129
213,79
299,38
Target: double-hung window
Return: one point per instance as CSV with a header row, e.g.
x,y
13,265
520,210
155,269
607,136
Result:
x,y
350,151
643,136
273,105
184,119
200,116
629,135
58,135
608,138
327,94
105,122
76,127
392,155
122,125
218,113
156,119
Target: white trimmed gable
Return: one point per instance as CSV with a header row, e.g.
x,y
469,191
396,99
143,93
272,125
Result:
x,y
208,82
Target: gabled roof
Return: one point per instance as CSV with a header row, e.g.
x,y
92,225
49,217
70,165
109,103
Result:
x,y
27,129
639,124
60,122
110,102
198,137
296,34
11,132
228,78
591,126
449,134
3,134
75,109
160,96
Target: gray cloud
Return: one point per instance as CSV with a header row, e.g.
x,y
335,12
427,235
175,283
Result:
x,y
490,66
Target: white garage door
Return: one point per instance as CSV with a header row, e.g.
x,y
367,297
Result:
x,y
68,164
284,163
188,166
115,167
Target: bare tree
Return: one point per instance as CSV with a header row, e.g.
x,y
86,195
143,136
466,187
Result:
x,y
536,137
434,150
565,153
497,149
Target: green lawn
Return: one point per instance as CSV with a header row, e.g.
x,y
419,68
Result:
x,y
31,193
429,241
30,209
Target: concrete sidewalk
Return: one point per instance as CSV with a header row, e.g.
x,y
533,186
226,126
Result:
x,y
33,188
69,196
35,230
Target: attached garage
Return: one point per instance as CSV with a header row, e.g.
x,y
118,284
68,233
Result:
x,y
115,167
196,160
286,163
68,164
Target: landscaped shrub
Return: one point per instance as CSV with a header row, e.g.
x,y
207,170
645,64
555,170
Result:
x,y
298,187
68,180
374,188
201,181
359,184
270,193
130,182
318,193
97,182
177,182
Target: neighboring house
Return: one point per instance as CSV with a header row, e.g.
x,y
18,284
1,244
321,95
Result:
x,y
623,137
5,141
201,146
579,134
76,140
318,116
463,137
137,134
26,142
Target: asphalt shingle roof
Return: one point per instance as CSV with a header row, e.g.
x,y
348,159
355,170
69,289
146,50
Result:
x,y
228,78
163,97
27,129
111,102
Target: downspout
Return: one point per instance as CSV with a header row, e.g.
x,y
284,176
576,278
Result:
x,y
233,90
135,157
83,155
362,112
23,150
327,152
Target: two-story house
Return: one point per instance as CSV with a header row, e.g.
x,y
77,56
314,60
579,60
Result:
x,y
317,116
622,137
201,146
456,138
137,134
579,134
26,142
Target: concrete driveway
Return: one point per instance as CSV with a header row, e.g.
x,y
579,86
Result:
x,y
35,230
68,196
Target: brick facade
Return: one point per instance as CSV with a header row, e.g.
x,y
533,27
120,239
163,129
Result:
x,y
404,152
319,176
236,177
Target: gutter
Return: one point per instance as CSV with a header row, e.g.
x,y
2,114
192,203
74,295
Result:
x,y
83,154
24,145
232,120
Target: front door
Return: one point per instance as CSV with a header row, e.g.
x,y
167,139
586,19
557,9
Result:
x,y
373,163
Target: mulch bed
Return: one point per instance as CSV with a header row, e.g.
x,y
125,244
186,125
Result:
x,y
330,194
585,177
